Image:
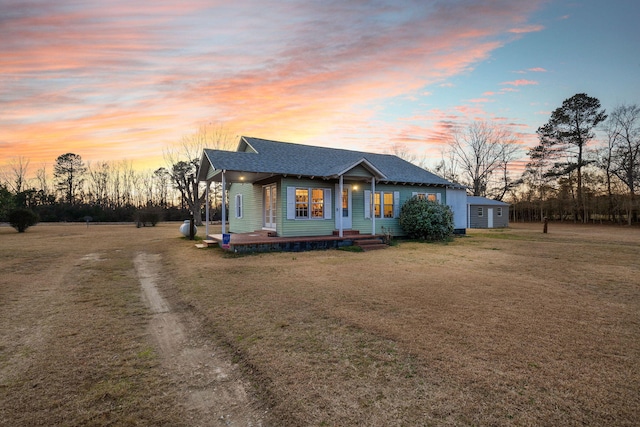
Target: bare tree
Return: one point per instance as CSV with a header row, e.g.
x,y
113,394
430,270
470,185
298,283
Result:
x,y
447,167
161,179
623,155
99,182
402,151
184,160
43,180
482,150
17,175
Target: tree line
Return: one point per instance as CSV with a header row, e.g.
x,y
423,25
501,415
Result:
x,y
570,175
114,191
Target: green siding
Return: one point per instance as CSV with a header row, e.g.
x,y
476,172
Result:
x,y
252,209
390,224
304,227
358,171
252,200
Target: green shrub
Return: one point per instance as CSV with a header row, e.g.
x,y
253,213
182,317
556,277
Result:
x,y
22,218
148,216
426,220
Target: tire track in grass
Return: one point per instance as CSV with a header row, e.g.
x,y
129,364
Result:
x,y
211,387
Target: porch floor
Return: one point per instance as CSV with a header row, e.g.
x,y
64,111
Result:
x,y
261,241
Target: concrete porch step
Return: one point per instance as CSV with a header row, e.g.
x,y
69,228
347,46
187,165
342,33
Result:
x,y
206,243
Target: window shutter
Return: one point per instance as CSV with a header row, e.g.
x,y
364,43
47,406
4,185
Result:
x,y
291,202
414,194
327,203
367,203
396,204
439,197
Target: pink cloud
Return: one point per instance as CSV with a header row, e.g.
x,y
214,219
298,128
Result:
x,y
527,29
480,100
520,82
537,70
91,76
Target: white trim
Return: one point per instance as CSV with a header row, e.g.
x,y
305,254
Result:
x,y
367,204
339,213
239,207
224,202
373,217
206,210
326,203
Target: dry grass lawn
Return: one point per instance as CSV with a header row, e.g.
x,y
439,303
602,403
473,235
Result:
x,y
501,327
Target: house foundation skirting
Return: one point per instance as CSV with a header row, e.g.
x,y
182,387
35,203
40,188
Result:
x,y
262,242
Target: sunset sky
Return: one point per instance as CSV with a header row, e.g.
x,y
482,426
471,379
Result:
x,y
116,80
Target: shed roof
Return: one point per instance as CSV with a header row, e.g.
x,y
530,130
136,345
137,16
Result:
x,y
263,158
476,200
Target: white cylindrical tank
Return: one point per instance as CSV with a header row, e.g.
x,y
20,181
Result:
x,y
184,228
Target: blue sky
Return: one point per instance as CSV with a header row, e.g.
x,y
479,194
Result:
x,y
116,80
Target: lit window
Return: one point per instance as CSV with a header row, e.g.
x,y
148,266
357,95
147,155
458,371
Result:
x,y
310,203
302,203
432,197
388,205
317,203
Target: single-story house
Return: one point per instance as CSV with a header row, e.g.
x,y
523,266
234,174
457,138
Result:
x,y
301,190
487,213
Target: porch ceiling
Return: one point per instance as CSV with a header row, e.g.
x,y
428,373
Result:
x,y
240,176
252,177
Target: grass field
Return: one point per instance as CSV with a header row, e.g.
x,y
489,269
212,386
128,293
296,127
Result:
x,y
501,327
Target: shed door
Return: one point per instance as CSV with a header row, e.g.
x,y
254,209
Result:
x,y
490,217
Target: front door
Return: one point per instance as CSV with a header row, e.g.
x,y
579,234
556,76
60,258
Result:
x,y
343,207
490,217
269,206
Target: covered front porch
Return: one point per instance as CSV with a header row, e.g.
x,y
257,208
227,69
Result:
x,y
265,241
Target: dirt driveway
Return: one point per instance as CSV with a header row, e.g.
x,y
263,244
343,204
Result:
x,y
88,338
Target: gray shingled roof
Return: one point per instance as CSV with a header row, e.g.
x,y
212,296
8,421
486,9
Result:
x,y
284,158
477,200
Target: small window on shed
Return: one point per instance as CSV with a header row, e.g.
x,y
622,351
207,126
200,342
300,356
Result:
x,y
480,211
499,211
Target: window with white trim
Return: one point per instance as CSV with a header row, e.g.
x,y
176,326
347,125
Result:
x,y
239,206
480,211
308,203
433,197
302,202
317,203
499,211
385,204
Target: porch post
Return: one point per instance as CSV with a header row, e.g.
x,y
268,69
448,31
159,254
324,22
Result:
x,y
224,202
373,205
340,205
206,210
